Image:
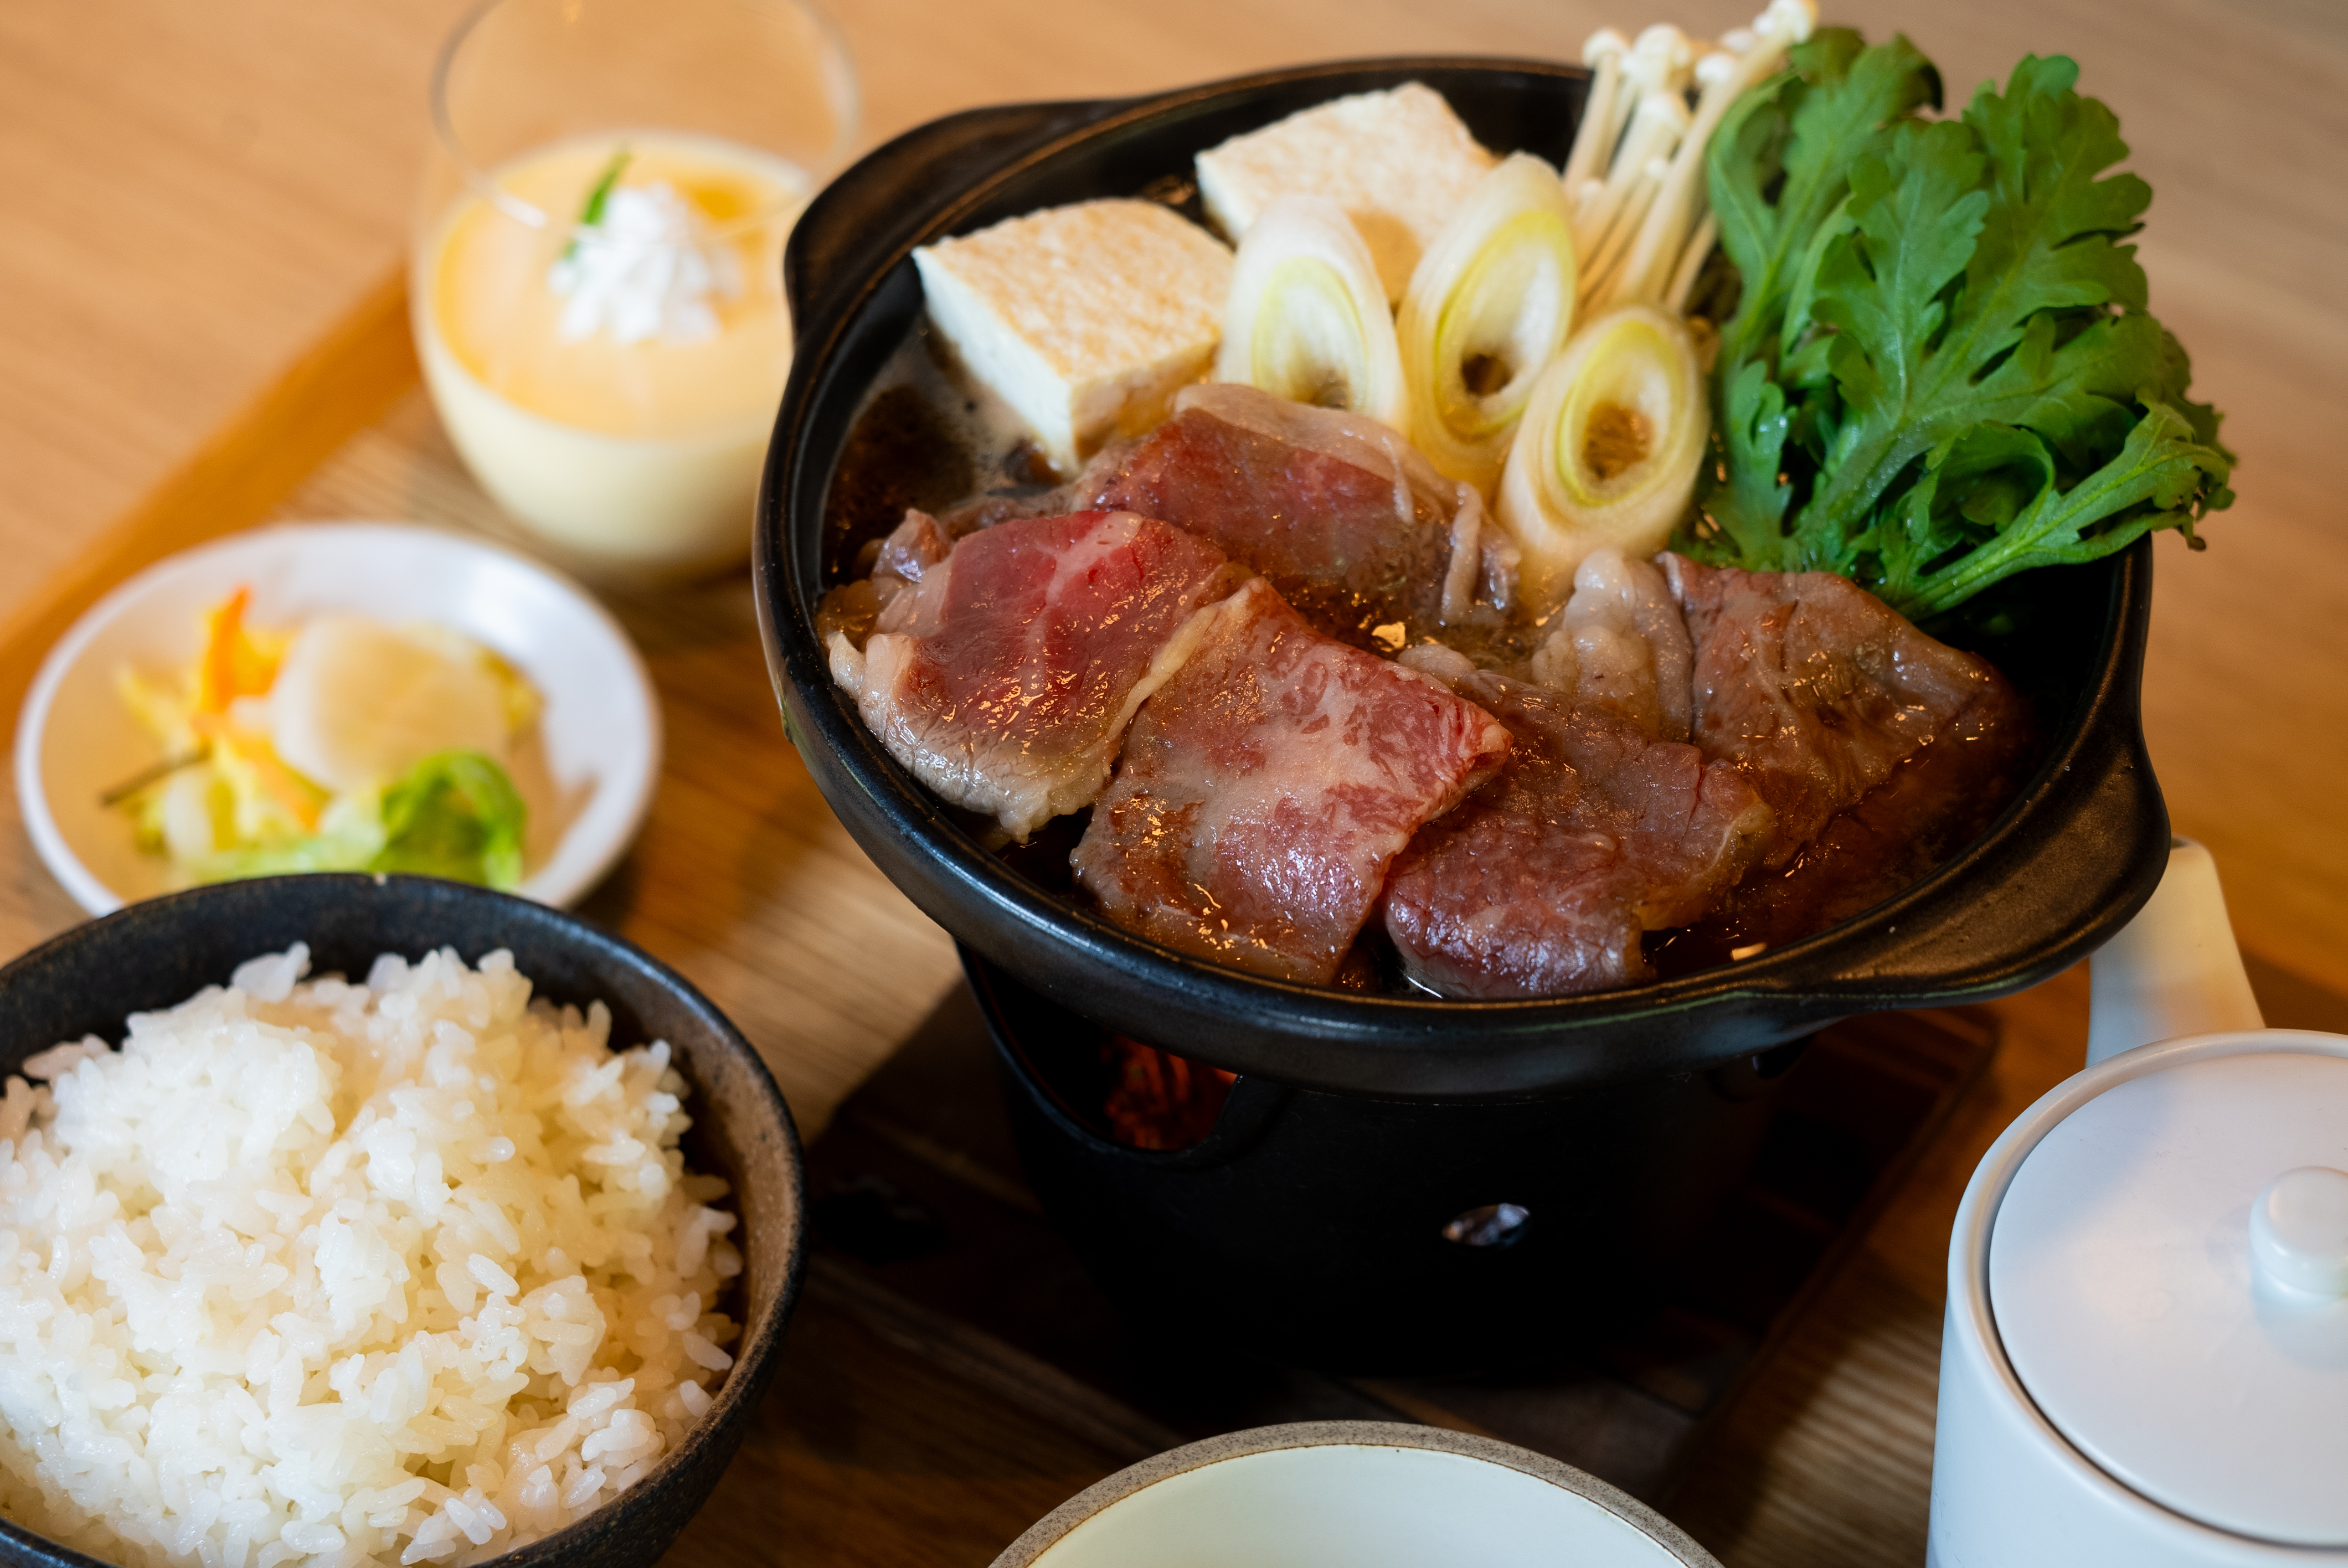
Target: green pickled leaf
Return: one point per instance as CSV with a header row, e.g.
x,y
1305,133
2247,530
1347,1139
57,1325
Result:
x,y
456,814
350,835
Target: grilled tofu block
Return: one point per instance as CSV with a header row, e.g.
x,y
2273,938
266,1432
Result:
x,y
1399,162
1085,320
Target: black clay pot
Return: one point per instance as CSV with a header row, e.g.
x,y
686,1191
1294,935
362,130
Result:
x,y
2076,855
1613,1102
160,952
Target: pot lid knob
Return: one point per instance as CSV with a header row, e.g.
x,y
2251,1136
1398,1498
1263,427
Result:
x,y
2299,1233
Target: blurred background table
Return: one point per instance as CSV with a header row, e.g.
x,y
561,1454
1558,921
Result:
x,y
196,195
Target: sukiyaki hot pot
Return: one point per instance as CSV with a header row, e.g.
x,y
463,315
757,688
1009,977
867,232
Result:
x,y
1453,1089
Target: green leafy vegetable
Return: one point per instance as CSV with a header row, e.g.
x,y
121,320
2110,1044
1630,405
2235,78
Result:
x,y
348,839
1941,371
455,815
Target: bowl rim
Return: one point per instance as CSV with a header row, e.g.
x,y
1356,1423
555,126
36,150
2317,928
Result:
x,y
2096,758
635,776
759,1347
479,179
1102,1496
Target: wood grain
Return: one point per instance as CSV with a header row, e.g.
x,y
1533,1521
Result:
x,y
196,195
234,479
869,1449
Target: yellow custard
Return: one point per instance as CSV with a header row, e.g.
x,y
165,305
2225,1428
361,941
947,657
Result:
x,y
616,393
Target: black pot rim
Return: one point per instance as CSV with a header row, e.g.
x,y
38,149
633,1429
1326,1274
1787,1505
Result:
x,y
2029,870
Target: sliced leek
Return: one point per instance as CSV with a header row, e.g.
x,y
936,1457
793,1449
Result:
x,y
1607,455
1307,317
1489,306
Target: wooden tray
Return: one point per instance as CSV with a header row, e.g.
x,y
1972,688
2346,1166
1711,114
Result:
x,y
900,1432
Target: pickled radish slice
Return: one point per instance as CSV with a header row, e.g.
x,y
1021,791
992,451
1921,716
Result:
x,y
358,702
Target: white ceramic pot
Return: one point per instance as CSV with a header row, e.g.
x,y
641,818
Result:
x,y
2145,1361
1353,1494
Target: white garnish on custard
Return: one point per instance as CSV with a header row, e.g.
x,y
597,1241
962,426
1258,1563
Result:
x,y
646,269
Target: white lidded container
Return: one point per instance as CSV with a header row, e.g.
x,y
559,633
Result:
x,y
2145,1361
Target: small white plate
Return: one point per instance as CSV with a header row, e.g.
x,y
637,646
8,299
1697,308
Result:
x,y
587,777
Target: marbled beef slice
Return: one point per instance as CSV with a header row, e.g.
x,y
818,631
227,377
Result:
x,y
1818,691
1351,525
1267,786
1595,833
1004,673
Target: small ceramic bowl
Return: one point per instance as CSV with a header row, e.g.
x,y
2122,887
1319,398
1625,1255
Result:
x,y
587,774
1353,1494
160,952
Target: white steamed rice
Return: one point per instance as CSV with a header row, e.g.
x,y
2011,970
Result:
x,y
408,1271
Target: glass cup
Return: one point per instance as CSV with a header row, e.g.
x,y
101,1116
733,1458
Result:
x,y
596,280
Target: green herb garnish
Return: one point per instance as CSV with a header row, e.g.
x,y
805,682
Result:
x,y
592,213
1941,371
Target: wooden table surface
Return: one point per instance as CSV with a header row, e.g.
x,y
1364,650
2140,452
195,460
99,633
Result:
x,y
195,195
